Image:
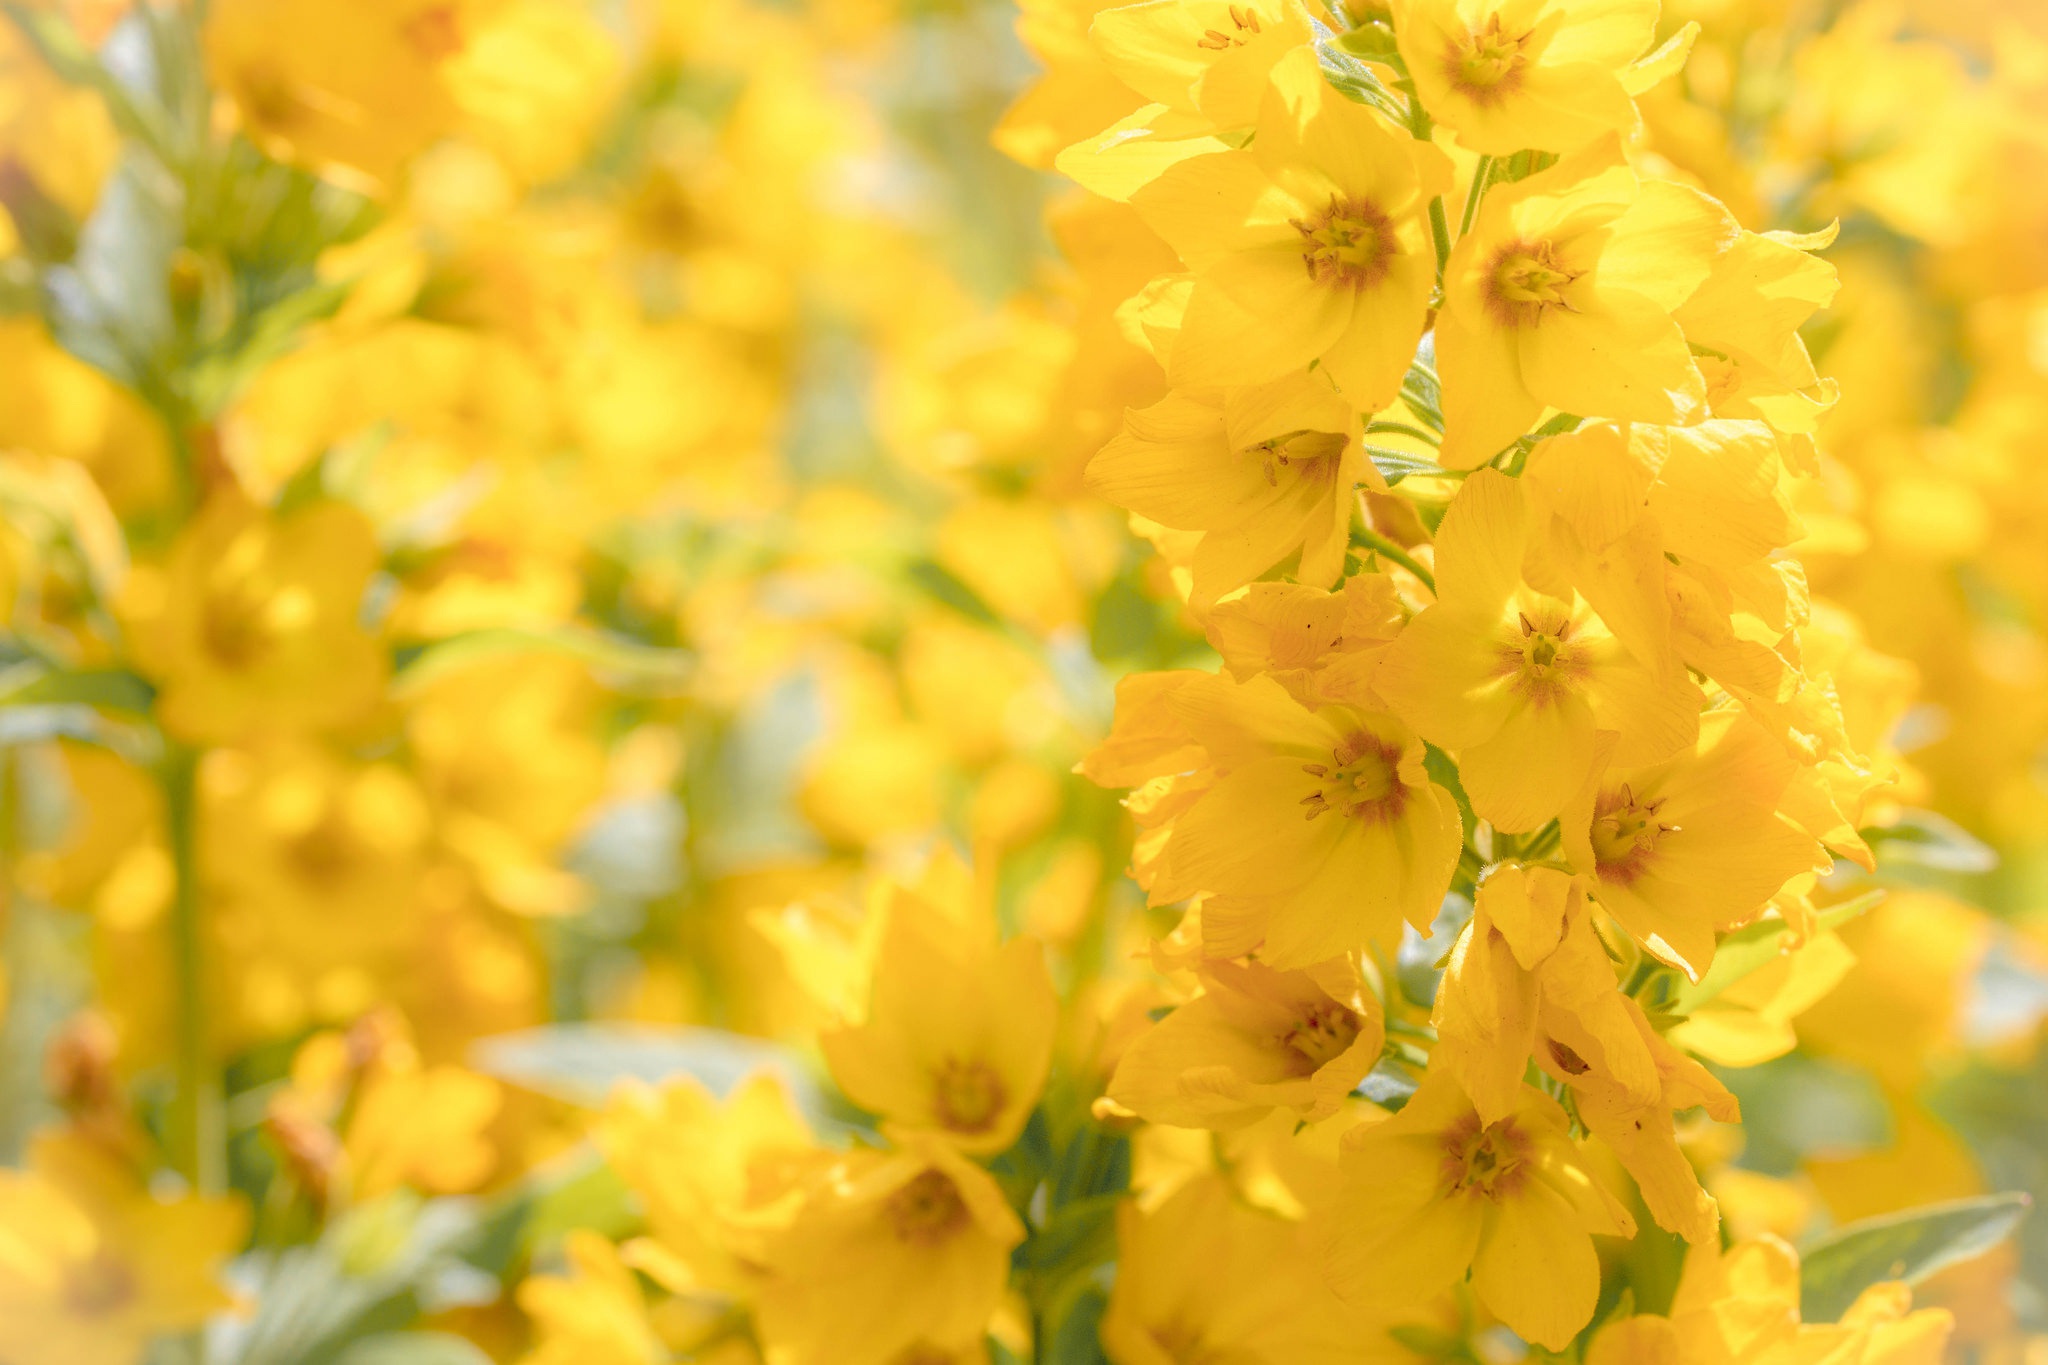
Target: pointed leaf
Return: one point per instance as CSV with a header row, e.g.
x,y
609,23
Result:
x,y
1907,1246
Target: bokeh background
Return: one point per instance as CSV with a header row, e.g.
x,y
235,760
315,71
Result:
x,y
695,394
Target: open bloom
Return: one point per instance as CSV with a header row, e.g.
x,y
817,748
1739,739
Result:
x,y
1561,296
1698,843
1206,1276
254,625
1518,682
891,1254
1206,57
1436,1191
1311,245
958,1034
1529,977
718,1179
1263,472
1321,833
1254,1040
93,1268
1513,74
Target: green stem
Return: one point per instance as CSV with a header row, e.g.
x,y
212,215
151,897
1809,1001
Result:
x,y
1403,429
1363,534
1440,230
198,1130
1473,195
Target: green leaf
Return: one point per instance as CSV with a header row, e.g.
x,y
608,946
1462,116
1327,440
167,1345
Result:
x,y
619,662
1357,82
413,1348
1396,465
1796,1108
941,583
107,689
1907,1246
1754,947
1078,1338
377,1269
582,1063
36,724
1920,838
110,305
1423,392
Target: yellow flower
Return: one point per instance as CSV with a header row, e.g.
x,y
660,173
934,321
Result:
x,y
356,89
1210,57
1741,1307
253,626
1320,646
718,1179
1207,1277
1320,834
1518,682
1696,844
1513,74
1529,976
1435,1192
1561,296
505,754
1310,246
890,1253
1255,1039
93,1268
1205,67
958,1036
402,1122
1743,325
1078,92
422,1126
1262,472
1750,1022
312,868
595,1315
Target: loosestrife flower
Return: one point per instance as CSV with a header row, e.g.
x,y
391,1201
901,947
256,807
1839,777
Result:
x,y
1310,245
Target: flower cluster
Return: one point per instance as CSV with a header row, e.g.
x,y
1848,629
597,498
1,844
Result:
x,y
1562,669
639,725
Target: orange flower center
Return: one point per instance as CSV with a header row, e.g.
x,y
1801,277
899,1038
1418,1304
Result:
x,y
967,1096
1362,779
1526,281
1490,1160
1322,1033
1305,454
1625,834
1349,245
1488,65
100,1286
1242,19
234,628
927,1210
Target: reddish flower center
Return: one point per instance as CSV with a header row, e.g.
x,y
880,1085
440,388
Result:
x,y
927,1210
1349,245
1362,780
1625,834
1489,1160
1525,281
